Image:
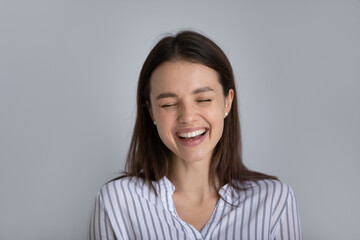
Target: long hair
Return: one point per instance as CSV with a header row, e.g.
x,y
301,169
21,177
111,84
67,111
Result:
x,y
148,157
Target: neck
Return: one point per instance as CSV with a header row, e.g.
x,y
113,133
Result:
x,y
191,177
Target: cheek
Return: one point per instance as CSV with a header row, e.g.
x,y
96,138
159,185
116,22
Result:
x,y
219,127
165,119
164,123
216,116
217,121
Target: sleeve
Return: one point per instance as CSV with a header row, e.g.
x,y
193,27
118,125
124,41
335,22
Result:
x,y
289,227
100,227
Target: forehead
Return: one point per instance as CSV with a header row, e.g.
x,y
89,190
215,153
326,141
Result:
x,y
183,76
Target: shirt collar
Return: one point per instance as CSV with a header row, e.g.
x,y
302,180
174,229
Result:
x,y
166,189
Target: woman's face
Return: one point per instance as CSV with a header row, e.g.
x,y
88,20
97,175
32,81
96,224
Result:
x,y
189,107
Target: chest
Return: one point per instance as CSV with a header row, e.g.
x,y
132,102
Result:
x,y
147,220
196,214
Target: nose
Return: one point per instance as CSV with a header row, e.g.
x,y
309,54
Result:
x,y
187,113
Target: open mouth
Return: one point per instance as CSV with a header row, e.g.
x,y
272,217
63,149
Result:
x,y
192,135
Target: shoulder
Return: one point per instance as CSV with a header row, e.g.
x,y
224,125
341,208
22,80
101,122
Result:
x,y
123,187
270,186
124,181
273,200
272,192
279,196
276,188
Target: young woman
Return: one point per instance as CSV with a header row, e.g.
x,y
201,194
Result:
x,y
184,177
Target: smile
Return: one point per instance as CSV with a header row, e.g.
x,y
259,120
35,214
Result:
x,y
193,138
191,134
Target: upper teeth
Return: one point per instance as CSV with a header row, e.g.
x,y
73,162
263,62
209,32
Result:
x,y
191,134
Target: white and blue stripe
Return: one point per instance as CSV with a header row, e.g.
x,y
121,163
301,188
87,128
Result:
x,y
129,209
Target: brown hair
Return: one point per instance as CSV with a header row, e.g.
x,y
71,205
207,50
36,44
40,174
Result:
x,y
148,157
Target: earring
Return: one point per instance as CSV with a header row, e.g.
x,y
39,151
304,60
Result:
x,y
154,123
226,105
226,114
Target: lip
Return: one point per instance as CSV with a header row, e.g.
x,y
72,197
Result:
x,y
191,142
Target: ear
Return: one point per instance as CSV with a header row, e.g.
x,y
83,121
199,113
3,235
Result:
x,y
228,100
148,105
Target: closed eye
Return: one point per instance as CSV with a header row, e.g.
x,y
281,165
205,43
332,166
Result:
x,y
168,105
204,100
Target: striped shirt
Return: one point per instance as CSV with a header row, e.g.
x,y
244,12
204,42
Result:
x,y
129,209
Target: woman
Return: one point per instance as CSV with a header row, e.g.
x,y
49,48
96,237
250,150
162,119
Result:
x,y
185,178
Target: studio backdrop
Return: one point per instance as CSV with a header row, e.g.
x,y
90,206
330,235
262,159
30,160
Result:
x,y
68,76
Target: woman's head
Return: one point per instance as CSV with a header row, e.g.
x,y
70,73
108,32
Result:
x,y
148,156
188,104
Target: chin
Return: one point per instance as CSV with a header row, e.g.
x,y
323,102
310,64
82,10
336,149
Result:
x,y
193,158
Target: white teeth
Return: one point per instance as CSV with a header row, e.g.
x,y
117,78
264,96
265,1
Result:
x,y
191,134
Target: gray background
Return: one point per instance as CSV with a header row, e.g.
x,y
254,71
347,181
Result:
x,y
69,69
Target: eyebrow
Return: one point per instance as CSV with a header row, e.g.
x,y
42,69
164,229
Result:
x,y
166,95
196,91
203,89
